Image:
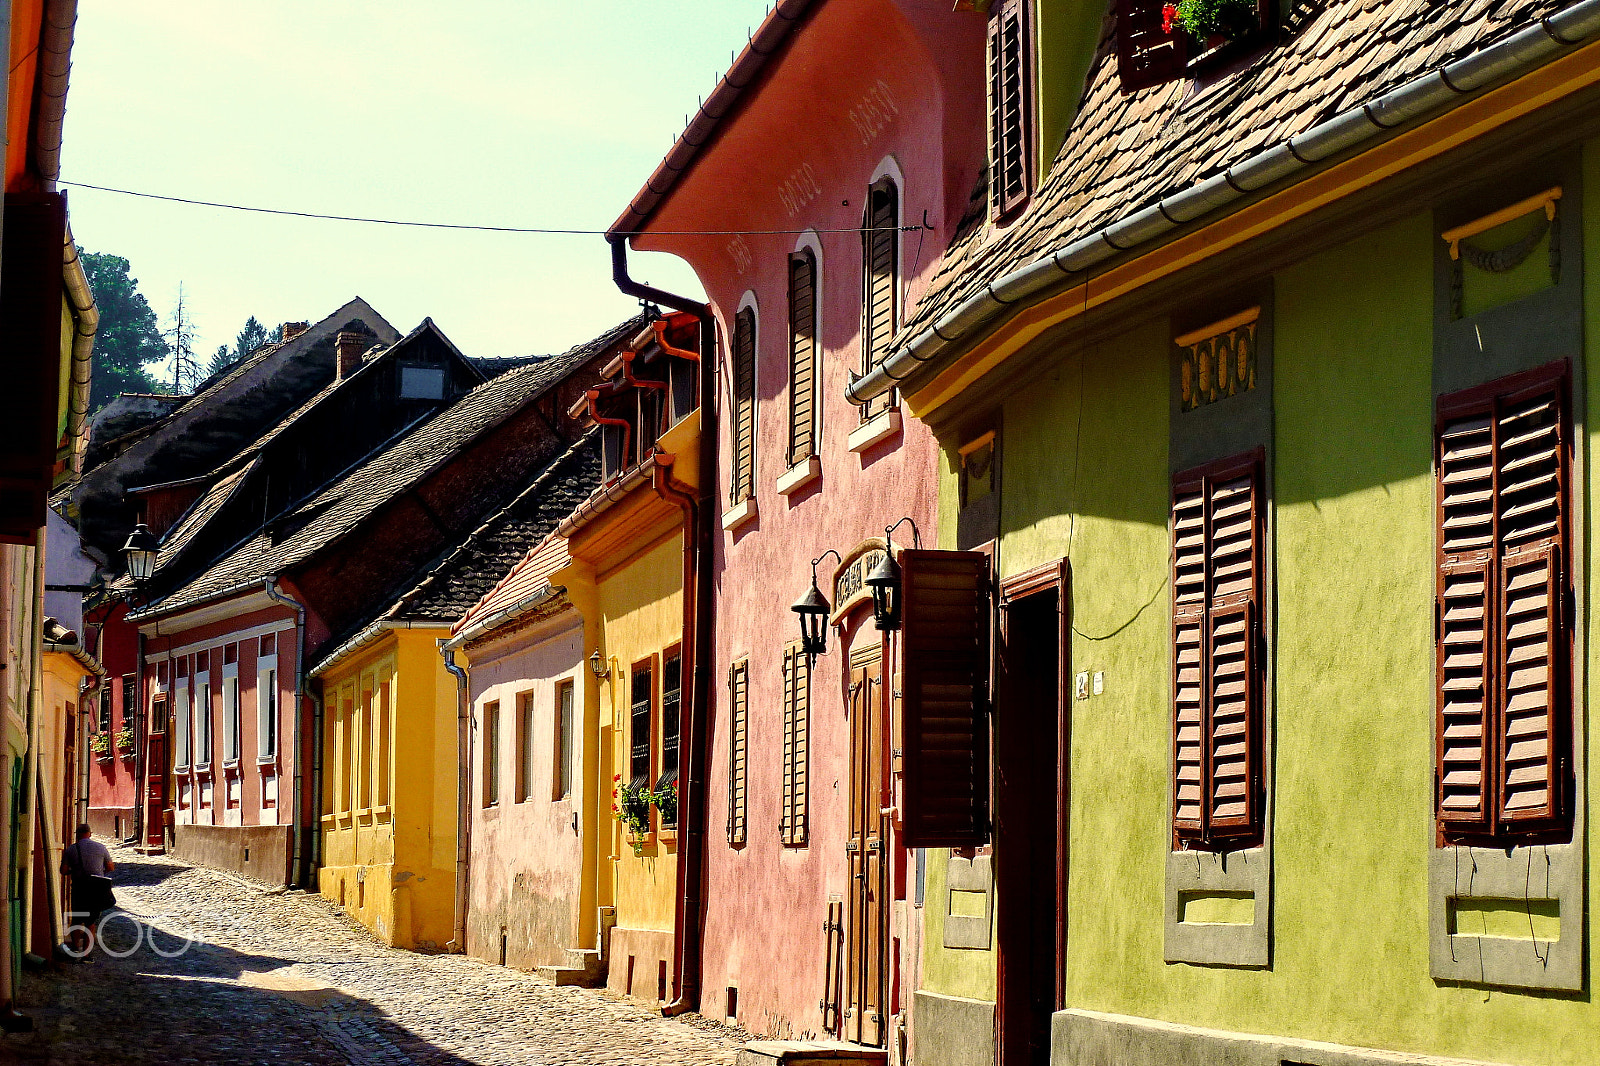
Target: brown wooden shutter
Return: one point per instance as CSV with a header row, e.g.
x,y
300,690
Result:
x,y
1008,114
744,405
1530,604
640,727
802,355
946,611
738,760
1464,653
796,729
30,316
1146,54
880,246
1218,675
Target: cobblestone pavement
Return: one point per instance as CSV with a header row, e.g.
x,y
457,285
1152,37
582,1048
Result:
x,y
287,979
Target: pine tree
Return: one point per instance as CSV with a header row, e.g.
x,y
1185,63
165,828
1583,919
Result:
x,y
186,375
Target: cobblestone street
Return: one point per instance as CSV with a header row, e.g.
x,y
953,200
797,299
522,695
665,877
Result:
x,y
286,978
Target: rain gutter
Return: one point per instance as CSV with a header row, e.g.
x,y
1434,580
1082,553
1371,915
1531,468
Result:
x,y
531,602
55,63
372,633
1425,96
85,324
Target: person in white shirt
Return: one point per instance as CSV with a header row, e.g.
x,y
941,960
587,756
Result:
x,y
89,865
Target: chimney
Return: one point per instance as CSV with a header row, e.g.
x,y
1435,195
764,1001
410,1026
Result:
x,y
291,330
350,346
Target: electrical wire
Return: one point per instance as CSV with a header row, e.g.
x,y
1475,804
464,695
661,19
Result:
x,y
482,229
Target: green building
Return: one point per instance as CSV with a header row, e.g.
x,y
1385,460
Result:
x,y
1262,379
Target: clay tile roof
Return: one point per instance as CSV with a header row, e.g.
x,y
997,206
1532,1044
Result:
x,y
1124,152
528,578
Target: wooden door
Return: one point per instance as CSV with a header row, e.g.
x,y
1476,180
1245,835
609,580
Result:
x,y
866,972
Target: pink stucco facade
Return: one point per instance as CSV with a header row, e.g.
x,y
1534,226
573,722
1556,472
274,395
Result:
x,y
867,89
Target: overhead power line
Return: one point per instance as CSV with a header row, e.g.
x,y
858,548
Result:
x,y
482,229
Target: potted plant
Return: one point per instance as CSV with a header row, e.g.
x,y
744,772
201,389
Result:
x,y
125,740
665,800
631,806
1214,22
100,744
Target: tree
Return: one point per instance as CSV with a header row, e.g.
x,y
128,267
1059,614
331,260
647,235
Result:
x,y
186,376
129,338
251,337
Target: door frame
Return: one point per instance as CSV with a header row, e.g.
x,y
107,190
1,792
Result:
x,y
858,914
1051,577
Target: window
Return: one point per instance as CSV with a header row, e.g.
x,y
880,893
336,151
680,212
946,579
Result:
x,y
103,709
1008,107
267,708
385,727
158,714
880,272
796,746
230,706
1147,53
362,753
491,754
202,718
802,356
738,755
181,718
946,653
744,406
671,721
639,725
525,746
1218,666
563,753
1503,642
422,383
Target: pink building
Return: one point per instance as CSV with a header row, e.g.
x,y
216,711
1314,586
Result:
x,y
844,145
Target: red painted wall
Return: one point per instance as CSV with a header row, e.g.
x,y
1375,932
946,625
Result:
x,y
111,783
865,82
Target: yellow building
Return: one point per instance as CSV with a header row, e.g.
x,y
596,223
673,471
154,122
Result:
x,y
72,678
388,853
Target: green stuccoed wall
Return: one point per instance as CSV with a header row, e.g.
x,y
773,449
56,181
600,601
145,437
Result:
x,y
1353,664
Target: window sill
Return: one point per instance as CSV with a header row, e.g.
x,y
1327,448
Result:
x,y
264,761
879,429
739,514
799,475
232,764
668,836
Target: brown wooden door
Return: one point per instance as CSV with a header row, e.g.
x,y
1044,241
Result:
x,y
866,907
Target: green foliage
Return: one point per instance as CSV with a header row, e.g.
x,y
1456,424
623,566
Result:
x,y
251,337
1204,19
129,338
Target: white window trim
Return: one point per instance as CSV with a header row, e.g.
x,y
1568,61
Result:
x,y
266,665
232,713
183,724
201,710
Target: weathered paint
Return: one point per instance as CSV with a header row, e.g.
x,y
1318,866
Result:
x,y
831,116
1353,672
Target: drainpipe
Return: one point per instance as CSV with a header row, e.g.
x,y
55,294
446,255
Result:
x,y
317,710
693,754
141,754
592,396
463,795
30,766
297,876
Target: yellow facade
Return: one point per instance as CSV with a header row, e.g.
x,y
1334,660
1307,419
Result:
x,y
389,788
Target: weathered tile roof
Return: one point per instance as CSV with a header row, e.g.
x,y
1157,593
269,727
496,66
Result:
x,y
1125,152
529,577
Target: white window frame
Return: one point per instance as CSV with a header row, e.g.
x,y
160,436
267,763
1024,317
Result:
x,y
182,721
200,706
230,715
267,710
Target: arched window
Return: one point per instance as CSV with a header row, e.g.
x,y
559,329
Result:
x,y
880,272
802,356
744,406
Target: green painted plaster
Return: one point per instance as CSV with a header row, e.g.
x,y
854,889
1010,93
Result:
x,y
965,972
1065,36
1509,919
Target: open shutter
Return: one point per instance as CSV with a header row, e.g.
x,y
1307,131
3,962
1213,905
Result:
x,y
1529,738
880,270
738,707
1465,687
1188,626
1146,54
946,612
802,355
1008,117
30,315
744,405
796,710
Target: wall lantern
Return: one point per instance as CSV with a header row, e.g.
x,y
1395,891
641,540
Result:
x,y
599,667
884,581
813,609
140,551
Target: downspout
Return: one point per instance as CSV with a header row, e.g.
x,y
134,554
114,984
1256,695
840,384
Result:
x,y
30,770
297,876
463,795
141,754
318,705
692,802
55,52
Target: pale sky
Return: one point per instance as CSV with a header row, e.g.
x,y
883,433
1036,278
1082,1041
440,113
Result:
x,y
498,112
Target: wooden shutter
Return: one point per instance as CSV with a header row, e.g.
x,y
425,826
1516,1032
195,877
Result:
x,y
946,610
639,729
744,405
1503,640
802,355
1008,114
880,248
738,755
671,716
30,315
1218,675
1146,54
796,745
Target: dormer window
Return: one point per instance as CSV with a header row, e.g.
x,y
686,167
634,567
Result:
x,y
1008,107
422,383
1164,40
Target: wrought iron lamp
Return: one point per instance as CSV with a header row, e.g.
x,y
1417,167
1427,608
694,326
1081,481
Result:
x,y
140,552
813,609
884,581
599,667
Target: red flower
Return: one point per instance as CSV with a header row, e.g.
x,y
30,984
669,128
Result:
x,y
1169,15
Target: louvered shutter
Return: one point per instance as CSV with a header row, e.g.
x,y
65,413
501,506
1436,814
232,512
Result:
x,y
796,729
738,708
744,405
945,615
880,244
802,355
1503,641
1008,119
1218,675
671,720
1146,54
639,730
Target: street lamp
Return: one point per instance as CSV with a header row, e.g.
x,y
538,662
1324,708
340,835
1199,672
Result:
x,y
813,609
599,667
140,551
884,581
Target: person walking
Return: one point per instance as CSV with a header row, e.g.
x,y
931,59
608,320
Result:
x,y
89,865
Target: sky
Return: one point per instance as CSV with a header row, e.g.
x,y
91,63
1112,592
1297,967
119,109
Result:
x,y
490,112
